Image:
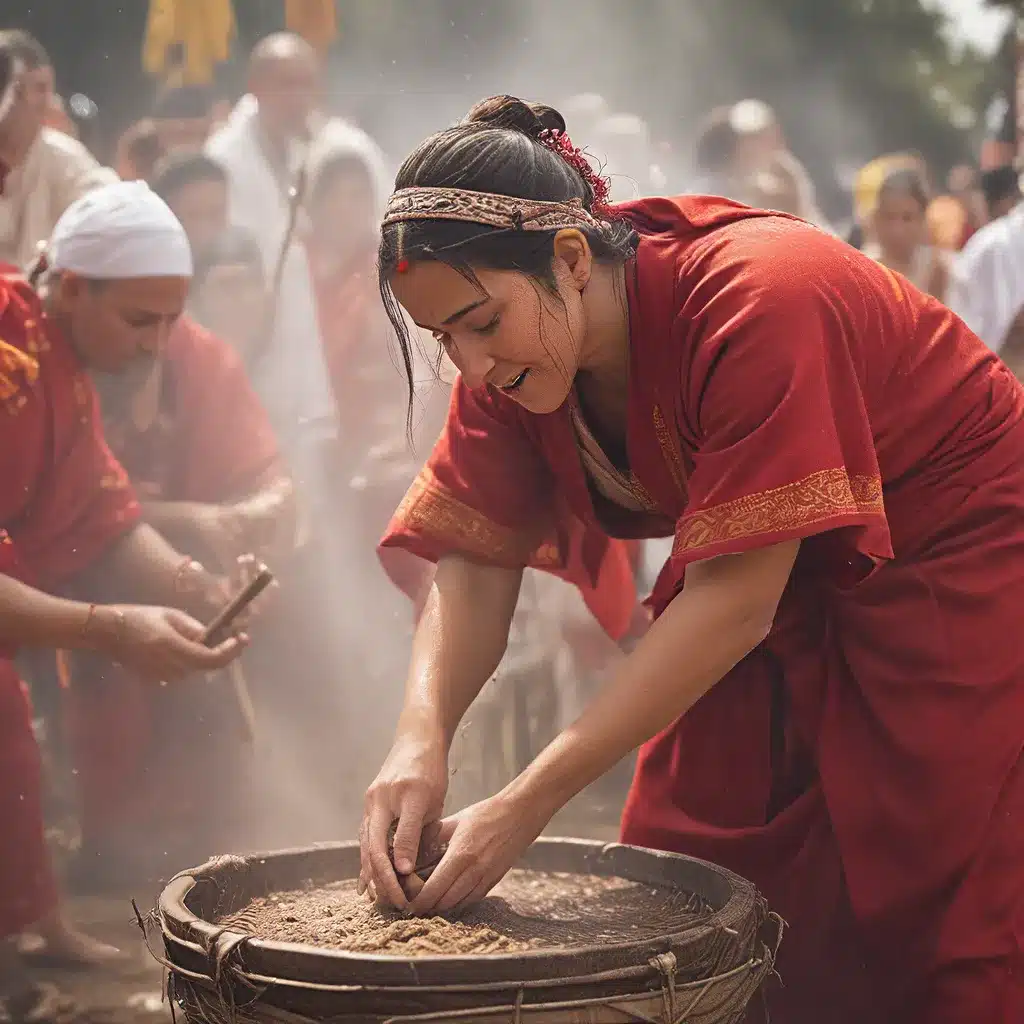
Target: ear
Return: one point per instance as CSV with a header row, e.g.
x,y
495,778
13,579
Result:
x,y
69,288
573,250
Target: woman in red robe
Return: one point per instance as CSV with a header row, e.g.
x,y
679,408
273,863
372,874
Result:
x,y
830,698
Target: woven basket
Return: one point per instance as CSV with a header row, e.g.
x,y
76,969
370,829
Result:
x,y
706,974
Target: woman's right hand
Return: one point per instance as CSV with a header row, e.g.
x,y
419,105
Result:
x,y
411,787
161,644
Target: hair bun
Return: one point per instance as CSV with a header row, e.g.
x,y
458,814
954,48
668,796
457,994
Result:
x,y
510,112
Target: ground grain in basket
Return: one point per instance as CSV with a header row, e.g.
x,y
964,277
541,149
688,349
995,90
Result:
x,y
527,910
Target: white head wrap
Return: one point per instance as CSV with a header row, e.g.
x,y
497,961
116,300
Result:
x,y
118,232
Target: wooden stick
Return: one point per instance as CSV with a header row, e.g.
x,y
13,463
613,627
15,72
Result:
x,y
216,631
244,699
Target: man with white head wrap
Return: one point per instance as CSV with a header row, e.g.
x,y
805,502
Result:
x,y
68,513
198,446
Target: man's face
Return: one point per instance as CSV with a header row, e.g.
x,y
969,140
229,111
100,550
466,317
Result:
x,y
21,127
288,93
39,91
202,208
115,326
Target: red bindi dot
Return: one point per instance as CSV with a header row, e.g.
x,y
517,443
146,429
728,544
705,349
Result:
x,y
403,266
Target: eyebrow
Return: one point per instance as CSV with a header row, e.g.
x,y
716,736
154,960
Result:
x,y
455,316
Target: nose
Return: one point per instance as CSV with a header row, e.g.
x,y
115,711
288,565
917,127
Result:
x,y
475,367
155,340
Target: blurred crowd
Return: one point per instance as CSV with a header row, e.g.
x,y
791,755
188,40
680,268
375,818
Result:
x,y
281,204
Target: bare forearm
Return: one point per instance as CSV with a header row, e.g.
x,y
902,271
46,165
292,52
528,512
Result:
x,y
144,565
172,519
460,639
32,618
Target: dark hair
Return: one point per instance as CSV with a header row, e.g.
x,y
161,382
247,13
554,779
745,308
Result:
x,y
908,182
716,142
180,169
342,164
234,247
496,149
26,48
1000,183
183,103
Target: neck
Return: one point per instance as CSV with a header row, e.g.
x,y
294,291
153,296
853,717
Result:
x,y
605,355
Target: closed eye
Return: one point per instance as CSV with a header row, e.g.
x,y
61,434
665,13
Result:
x,y
490,327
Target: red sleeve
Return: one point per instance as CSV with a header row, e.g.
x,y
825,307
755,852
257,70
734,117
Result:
x,y
485,492
228,449
772,391
65,499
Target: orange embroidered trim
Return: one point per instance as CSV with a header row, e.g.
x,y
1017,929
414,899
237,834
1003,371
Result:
x,y
670,452
431,509
815,499
14,363
113,482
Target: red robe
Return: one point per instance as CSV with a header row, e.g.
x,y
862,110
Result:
x,y
64,500
211,442
863,764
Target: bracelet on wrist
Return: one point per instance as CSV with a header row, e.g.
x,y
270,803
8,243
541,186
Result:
x,y
93,627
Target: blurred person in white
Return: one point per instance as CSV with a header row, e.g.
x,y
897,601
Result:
x,y
988,274
49,168
898,233
265,146
742,154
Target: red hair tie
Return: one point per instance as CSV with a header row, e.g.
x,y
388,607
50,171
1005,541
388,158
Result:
x,y
560,143
403,266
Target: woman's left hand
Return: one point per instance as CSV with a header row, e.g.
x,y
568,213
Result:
x,y
484,841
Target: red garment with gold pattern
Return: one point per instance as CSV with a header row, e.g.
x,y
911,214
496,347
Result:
x,y
63,501
863,765
211,442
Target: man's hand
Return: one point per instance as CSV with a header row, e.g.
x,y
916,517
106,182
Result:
x,y
161,644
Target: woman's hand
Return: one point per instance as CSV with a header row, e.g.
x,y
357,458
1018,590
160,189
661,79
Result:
x,y
411,788
484,841
161,644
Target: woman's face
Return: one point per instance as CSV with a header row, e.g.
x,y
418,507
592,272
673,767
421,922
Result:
x,y
899,223
505,330
232,303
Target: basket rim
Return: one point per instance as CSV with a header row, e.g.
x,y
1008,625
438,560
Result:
x,y
307,963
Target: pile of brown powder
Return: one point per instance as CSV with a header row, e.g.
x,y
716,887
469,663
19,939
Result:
x,y
527,910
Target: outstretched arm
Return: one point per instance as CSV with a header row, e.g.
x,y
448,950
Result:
x,y
460,639
724,611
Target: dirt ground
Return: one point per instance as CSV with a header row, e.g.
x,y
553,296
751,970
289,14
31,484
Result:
x,y
128,993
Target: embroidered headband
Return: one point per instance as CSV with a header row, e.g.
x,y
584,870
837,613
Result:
x,y
497,211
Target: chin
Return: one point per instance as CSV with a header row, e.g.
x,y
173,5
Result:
x,y
541,400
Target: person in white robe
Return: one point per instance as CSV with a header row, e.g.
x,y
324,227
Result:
x,y
50,170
